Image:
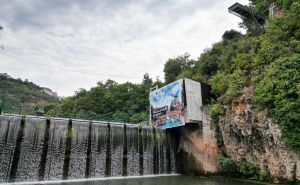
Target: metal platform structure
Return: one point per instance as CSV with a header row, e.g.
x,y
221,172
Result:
x,y
246,14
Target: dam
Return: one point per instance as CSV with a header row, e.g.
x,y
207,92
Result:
x,y
180,140
38,148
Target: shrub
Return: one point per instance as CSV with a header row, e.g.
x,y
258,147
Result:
x,y
227,164
214,111
263,176
279,92
248,170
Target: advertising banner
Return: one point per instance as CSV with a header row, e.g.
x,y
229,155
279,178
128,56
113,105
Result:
x,y
167,105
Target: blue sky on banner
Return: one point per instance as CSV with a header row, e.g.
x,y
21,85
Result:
x,y
164,96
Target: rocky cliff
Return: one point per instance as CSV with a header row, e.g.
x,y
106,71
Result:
x,y
252,136
243,135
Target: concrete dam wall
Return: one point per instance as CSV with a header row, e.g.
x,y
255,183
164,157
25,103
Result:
x,y
36,148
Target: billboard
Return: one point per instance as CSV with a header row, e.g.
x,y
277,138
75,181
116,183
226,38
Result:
x,y
167,105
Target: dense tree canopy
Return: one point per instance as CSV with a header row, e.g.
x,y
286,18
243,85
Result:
x,y
176,66
108,101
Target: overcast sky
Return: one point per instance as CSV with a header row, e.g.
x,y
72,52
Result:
x,y
70,44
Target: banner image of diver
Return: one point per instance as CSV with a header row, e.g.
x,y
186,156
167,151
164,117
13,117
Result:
x,y
167,105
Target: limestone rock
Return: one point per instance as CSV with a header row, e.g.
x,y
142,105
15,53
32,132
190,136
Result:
x,y
253,136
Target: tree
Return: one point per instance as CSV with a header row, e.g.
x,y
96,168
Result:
x,y
110,83
147,80
174,66
231,34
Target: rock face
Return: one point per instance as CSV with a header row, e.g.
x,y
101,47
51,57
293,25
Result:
x,y
254,137
242,134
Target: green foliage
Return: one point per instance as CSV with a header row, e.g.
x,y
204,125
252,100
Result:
x,y
261,6
244,169
214,110
227,164
227,86
264,176
108,101
19,96
231,34
121,117
175,66
248,170
139,117
278,85
279,91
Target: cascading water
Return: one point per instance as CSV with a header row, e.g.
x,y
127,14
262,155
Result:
x,y
36,148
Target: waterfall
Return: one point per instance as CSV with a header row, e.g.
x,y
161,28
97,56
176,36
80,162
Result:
x,y
36,148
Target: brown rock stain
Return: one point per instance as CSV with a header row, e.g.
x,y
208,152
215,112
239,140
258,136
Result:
x,y
199,142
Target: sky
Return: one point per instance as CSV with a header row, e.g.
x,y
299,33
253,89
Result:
x,y
70,44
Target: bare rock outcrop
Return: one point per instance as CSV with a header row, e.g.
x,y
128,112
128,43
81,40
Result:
x,y
252,136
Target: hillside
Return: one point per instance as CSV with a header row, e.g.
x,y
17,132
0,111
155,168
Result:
x,y
17,96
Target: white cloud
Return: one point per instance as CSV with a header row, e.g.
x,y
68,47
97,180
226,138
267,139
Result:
x,y
114,38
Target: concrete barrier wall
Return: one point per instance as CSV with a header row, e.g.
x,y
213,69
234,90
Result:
x,y
197,150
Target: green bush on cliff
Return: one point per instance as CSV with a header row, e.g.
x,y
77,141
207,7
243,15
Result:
x,y
227,165
248,170
263,176
243,169
279,91
214,111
